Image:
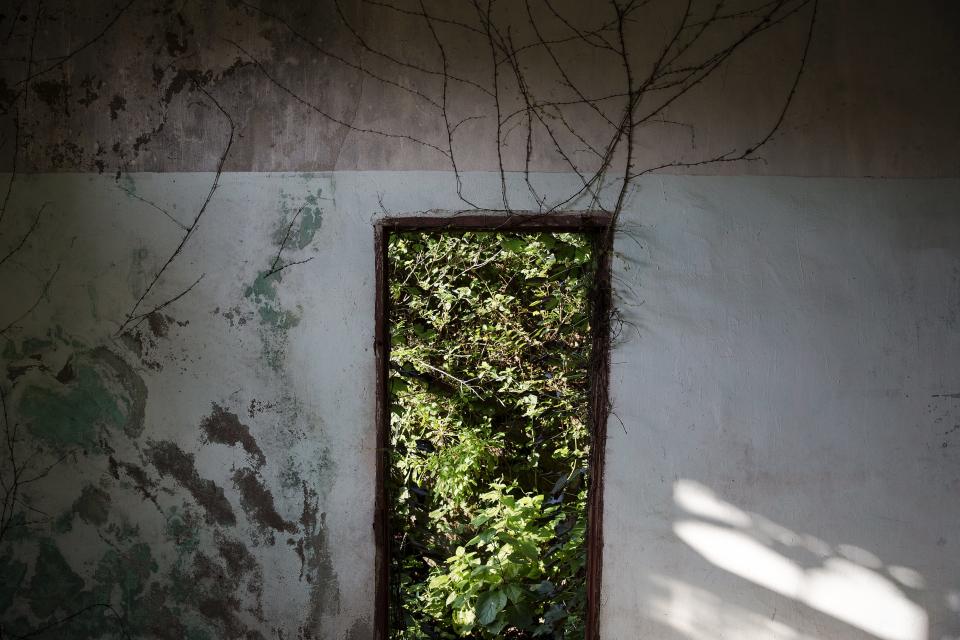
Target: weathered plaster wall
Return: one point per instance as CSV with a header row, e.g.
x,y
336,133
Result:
x,y
782,463
787,466
878,98
782,456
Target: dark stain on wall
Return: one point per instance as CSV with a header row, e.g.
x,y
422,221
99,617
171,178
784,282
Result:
x,y
224,427
317,567
93,505
217,601
141,481
117,104
159,324
54,583
170,460
238,559
360,630
257,503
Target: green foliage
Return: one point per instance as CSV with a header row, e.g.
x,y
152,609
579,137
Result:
x,y
489,440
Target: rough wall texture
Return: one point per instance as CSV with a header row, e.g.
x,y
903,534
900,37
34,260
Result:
x,y
196,449
304,81
788,462
785,466
201,446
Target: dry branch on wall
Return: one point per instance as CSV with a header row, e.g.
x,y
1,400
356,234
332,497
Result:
x,y
133,318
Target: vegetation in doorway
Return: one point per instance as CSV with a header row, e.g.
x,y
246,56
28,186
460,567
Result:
x,y
489,443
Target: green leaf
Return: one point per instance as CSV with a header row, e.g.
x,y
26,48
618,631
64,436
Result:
x,y
490,604
515,245
514,592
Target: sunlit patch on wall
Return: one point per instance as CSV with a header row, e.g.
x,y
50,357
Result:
x,y
848,585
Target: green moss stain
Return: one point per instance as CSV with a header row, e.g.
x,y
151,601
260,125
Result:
x,y
310,220
63,523
13,572
128,572
263,293
103,392
72,416
135,390
54,585
305,226
274,320
30,347
296,230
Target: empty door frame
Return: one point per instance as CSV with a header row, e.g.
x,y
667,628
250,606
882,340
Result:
x,y
595,226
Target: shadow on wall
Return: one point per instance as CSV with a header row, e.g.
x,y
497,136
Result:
x,y
833,584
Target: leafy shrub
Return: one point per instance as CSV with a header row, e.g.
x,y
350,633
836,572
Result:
x,y
489,443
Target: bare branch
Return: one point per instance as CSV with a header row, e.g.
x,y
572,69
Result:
x,y
26,236
76,614
386,56
43,294
132,314
323,113
275,266
138,319
154,205
13,169
275,270
327,52
70,54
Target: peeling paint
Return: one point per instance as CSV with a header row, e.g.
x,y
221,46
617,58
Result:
x,y
318,567
170,460
73,414
159,324
224,427
263,293
257,502
93,505
54,584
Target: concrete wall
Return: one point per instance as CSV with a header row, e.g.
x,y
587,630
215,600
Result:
x,y
782,458
782,463
878,96
787,462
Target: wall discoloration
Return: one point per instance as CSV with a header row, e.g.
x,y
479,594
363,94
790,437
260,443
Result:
x,y
258,503
54,583
224,427
92,391
211,469
93,505
170,460
316,567
168,506
129,100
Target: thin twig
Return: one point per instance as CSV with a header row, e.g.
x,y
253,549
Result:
x,y
130,193
61,621
43,294
138,319
313,107
70,54
132,314
23,240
